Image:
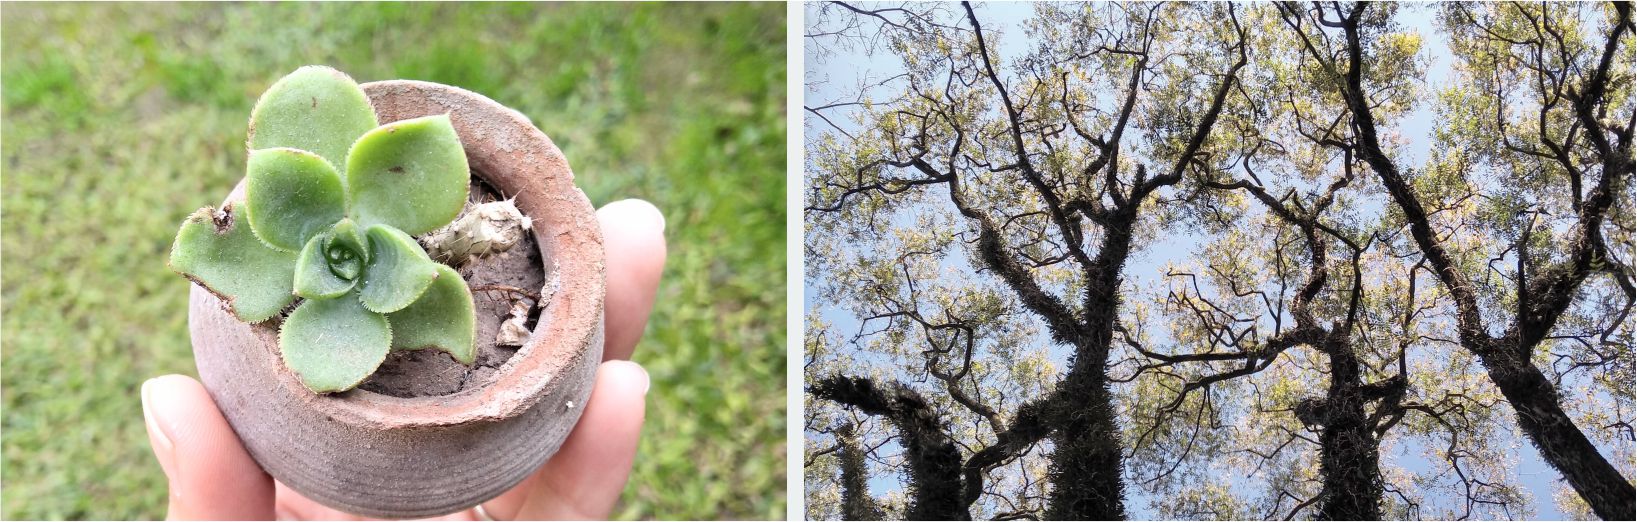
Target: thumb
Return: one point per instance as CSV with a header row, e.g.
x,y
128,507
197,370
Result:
x,y
211,475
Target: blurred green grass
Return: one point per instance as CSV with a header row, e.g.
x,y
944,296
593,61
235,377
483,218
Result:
x,y
120,119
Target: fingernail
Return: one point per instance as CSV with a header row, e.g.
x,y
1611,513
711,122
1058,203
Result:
x,y
163,447
645,207
646,383
660,214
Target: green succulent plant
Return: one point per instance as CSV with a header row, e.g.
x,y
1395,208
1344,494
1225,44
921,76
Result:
x,y
332,202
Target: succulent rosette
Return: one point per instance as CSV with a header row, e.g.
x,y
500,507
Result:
x,y
331,205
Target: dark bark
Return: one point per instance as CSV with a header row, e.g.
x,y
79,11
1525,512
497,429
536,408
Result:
x,y
934,461
1349,443
856,503
1027,429
1349,455
1087,483
1086,466
1560,441
1085,470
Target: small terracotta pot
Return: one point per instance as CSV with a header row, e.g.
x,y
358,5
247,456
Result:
x,y
384,456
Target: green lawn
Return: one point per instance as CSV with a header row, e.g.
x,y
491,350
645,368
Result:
x,y
119,120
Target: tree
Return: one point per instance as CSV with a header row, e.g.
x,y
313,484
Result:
x,y
1581,130
972,213
1348,437
1030,196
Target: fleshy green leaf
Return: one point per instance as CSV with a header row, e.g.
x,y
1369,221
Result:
x,y
346,234
314,277
217,250
290,196
442,318
410,174
347,250
315,108
398,272
333,344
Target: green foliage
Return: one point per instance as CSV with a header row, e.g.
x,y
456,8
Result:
x,y
1202,391
290,196
314,108
217,250
334,344
399,271
682,105
316,277
441,317
410,173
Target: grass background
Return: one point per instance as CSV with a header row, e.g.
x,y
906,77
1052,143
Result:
x,y
120,119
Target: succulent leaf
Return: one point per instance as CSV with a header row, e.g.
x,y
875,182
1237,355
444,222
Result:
x,y
399,271
315,108
290,196
315,279
343,263
410,174
217,250
334,344
346,234
442,319
347,250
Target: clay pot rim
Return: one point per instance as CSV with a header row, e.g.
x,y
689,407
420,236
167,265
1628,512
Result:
x,y
504,149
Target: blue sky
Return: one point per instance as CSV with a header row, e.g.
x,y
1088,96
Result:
x,y
842,72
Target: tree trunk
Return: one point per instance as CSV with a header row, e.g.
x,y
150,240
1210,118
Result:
x,y
933,459
1085,469
1534,398
935,478
1087,483
1349,457
1560,442
856,503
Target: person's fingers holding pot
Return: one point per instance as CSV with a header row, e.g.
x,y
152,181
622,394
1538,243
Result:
x,y
634,248
211,476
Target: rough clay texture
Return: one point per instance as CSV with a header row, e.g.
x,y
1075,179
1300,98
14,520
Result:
x,y
399,457
421,373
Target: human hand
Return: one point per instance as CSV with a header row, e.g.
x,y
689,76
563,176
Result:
x,y
212,476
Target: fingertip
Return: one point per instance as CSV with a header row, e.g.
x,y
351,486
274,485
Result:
x,y
168,401
210,473
625,376
634,249
163,448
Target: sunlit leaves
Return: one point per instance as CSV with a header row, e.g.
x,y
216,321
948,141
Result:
x,y
895,256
